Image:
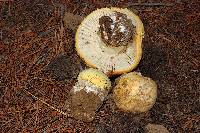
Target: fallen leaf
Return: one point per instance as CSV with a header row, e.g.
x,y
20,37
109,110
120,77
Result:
x,y
72,21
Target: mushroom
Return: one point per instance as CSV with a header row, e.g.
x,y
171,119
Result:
x,y
88,94
134,93
110,39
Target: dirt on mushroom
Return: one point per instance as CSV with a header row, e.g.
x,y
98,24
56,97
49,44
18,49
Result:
x,y
118,31
84,105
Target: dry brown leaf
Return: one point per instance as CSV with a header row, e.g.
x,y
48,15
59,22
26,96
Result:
x,y
72,21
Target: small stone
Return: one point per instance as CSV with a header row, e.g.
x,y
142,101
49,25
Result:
x,y
154,128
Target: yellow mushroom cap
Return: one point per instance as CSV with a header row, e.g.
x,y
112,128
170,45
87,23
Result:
x,y
97,54
95,77
135,93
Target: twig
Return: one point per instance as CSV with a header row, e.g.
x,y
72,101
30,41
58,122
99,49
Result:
x,y
1,35
37,111
150,4
6,0
52,107
7,122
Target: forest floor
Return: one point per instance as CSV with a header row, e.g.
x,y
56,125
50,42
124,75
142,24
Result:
x,y
37,56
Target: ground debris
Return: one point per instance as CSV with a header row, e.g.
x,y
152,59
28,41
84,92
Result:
x,y
72,21
64,67
153,128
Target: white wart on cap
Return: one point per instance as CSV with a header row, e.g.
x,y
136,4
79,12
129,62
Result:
x,y
110,39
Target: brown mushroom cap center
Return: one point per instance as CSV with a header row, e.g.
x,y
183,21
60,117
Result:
x,y
116,30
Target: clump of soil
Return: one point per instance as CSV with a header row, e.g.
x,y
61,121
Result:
x,y
84,105
116,31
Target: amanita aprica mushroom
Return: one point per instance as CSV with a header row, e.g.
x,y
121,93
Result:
x,y
88,94
135,93
110,39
